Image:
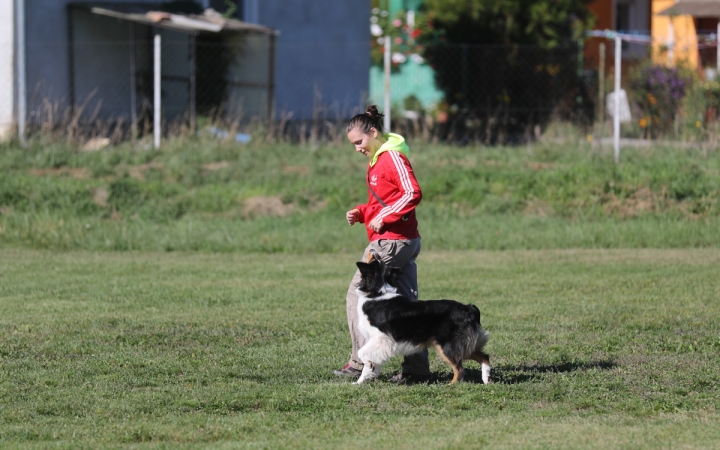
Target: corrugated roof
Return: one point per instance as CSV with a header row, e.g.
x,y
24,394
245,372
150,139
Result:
x,y
695,8
153,15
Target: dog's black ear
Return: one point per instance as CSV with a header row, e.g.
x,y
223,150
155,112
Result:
x,y
366,268
369,268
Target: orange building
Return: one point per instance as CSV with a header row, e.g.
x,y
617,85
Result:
x,y
677,28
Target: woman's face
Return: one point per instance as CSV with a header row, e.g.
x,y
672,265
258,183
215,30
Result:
x,y
364,143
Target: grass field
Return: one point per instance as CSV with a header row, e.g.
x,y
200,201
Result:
x,y
591,349
209,195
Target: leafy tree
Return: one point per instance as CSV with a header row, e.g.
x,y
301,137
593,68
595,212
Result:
x,y
546,23
507,65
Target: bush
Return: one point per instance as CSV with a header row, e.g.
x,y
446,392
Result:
x,y
658,92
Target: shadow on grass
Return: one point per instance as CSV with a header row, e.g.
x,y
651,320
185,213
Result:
x,y
528,373
508,374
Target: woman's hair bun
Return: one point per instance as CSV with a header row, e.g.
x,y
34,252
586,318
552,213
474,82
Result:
x,y
370,119
373,112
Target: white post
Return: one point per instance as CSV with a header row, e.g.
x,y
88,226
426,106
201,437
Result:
x,y
387,62
616,116
21,77
156,92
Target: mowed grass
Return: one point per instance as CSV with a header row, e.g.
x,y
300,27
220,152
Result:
x,y
591,349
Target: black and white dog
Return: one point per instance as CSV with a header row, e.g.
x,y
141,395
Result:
x,y
395,325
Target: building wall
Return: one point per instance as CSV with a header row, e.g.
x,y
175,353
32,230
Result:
x,y
7,75
48,82
322,60
322,56
678,29
605,15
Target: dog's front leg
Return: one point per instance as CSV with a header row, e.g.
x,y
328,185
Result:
x,y
367,373
373,354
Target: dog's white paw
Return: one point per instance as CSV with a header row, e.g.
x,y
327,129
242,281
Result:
x,y
486,373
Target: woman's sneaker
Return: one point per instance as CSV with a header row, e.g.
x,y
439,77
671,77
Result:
x,y
347,371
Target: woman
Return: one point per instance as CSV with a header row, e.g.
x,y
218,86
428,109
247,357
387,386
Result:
x,y
389,217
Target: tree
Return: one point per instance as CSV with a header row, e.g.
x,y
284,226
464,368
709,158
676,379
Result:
x,y
507,65
545,23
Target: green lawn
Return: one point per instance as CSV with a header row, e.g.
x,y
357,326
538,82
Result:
x,y
209,195
591,349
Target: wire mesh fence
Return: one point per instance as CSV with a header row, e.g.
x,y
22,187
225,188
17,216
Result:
x,y
501,93
457,93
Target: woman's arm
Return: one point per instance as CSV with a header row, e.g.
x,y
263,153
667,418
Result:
x,y
401,173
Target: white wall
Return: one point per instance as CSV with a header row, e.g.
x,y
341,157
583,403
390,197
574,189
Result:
x,y
7,75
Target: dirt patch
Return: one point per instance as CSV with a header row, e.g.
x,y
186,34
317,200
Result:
x,y
138,172
300,170
537,166
215,166
266,206
80,173
640,202
100,197
537,207
95,144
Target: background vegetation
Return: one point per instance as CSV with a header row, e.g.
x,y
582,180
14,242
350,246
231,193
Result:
x,y
208,194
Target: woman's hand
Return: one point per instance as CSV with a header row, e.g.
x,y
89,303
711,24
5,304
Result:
x,y
376,225
352,216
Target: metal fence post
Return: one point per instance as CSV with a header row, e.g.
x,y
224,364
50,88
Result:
x,y
156,90
616,116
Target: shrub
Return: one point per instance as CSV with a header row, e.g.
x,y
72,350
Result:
x,y
658,92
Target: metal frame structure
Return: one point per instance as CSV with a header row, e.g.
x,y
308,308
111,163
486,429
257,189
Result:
x,y
150,15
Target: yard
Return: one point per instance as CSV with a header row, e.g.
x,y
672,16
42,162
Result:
x,y
591,349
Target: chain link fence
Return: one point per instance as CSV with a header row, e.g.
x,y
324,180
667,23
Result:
x,y
455,93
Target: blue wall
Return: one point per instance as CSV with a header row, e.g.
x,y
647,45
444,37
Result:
x,y
322,56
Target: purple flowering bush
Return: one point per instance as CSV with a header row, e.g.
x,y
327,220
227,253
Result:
x,y
658,93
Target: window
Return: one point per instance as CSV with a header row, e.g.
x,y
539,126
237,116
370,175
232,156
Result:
x,y
622,20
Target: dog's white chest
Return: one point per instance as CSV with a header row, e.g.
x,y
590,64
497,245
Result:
x,y
366,329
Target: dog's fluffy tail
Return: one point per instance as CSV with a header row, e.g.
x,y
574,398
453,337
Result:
x,y
482,340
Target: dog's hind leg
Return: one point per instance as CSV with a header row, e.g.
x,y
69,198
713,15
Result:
x,y
484,360
455,363
374,354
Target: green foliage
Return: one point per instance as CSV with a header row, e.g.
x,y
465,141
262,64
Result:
x,y
230,9
659,93
507,64
546,23
405,39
